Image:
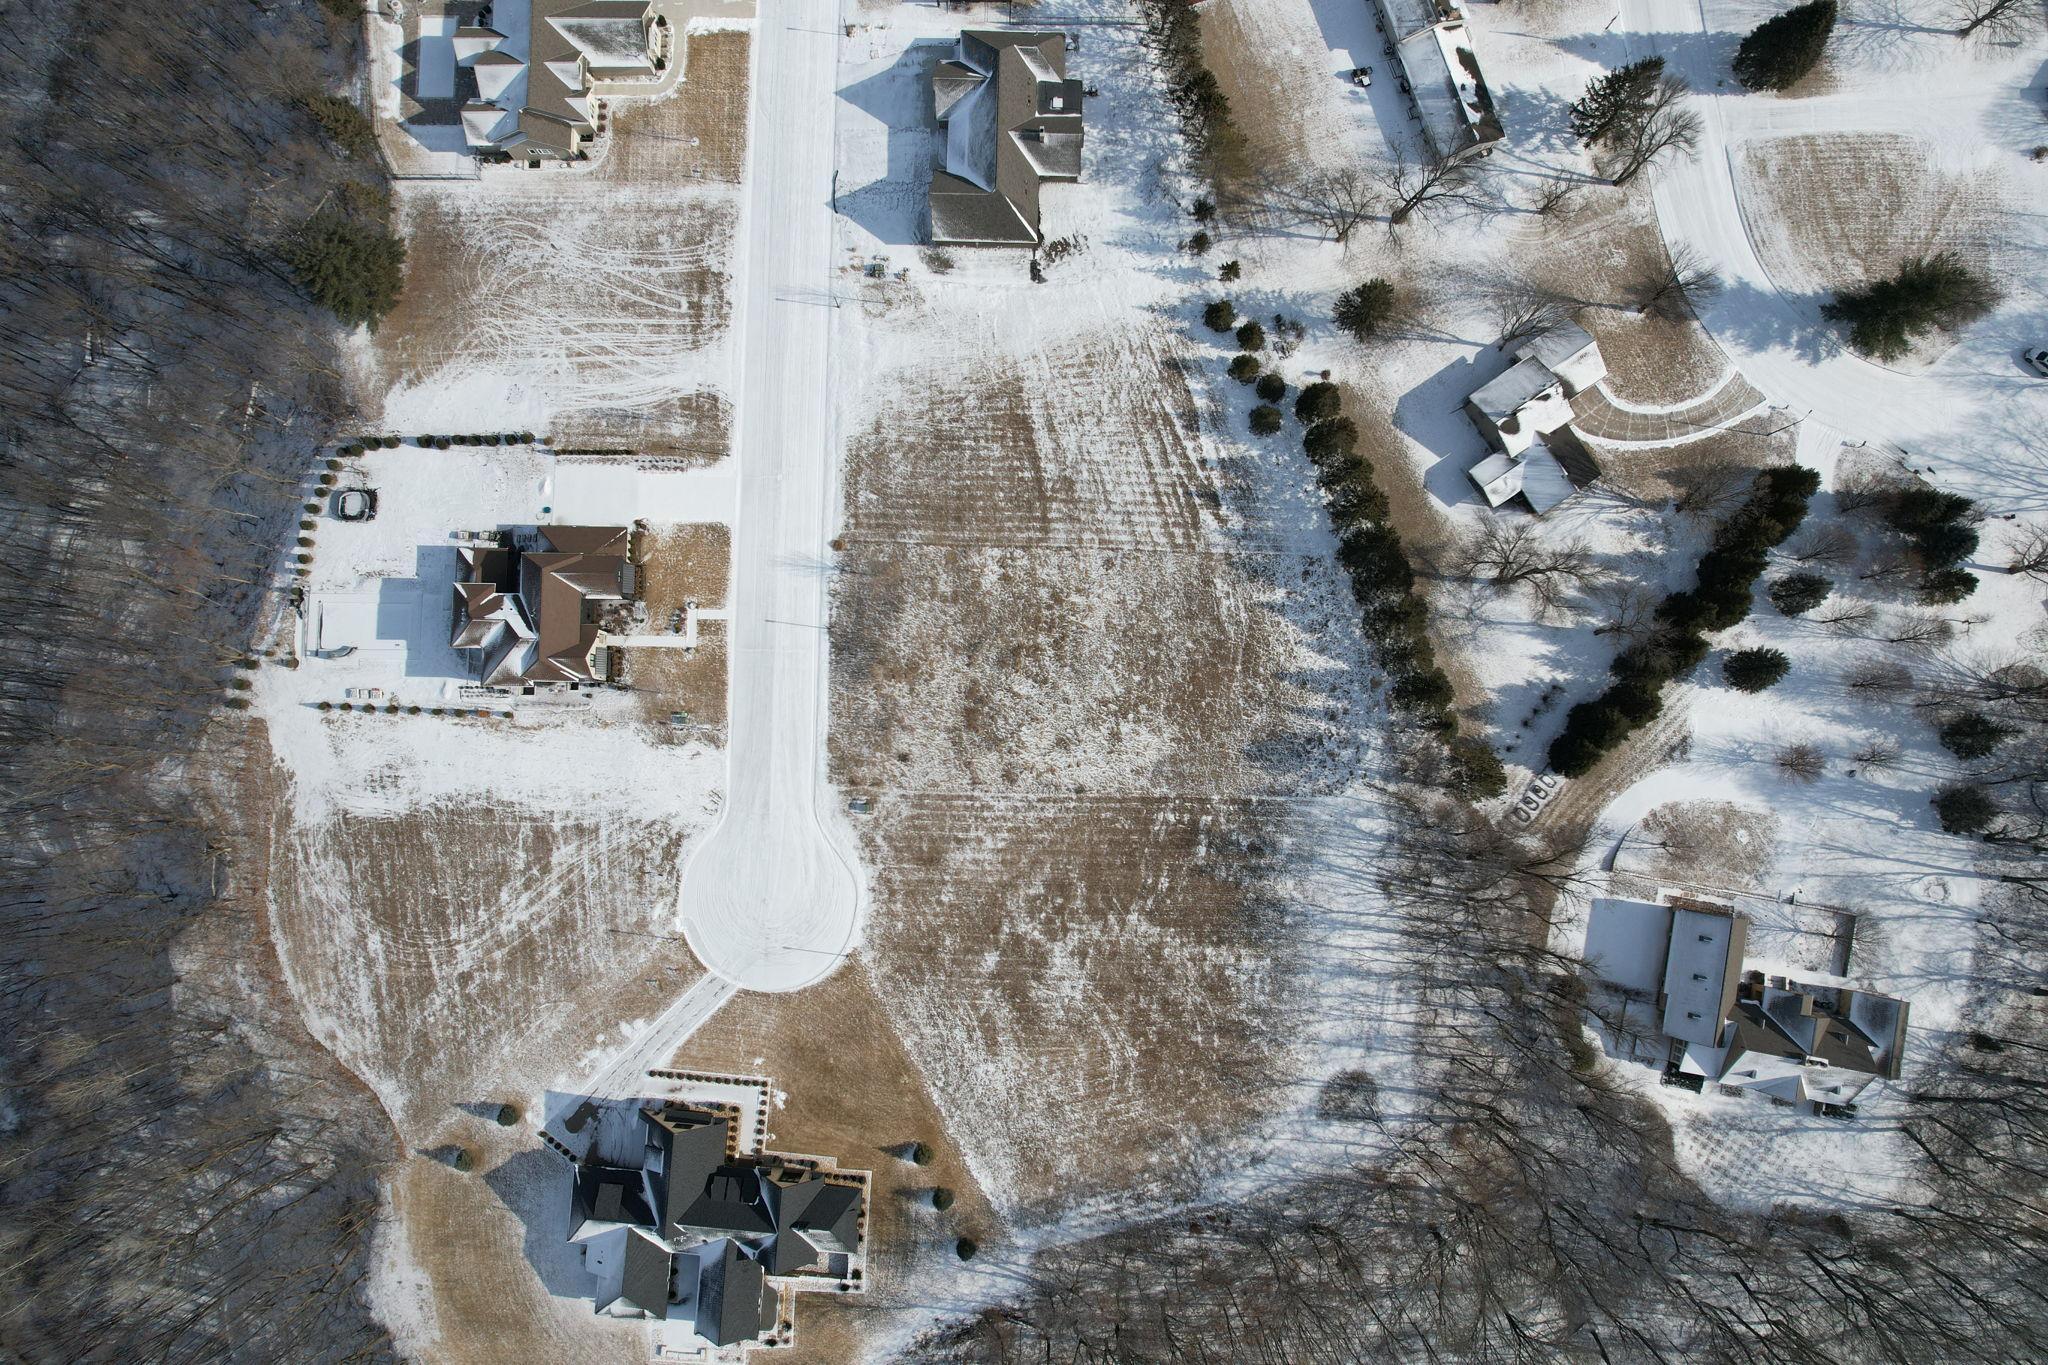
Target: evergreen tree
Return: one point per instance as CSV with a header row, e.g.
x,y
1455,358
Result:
x,y
1363,309
1244,368
355,270
1251,337
1798,593
1781,50
1265,420
1972,735
1272,387
1319,402
1616,102
1964,810
1219,316
1945,586
1928,292
1754,670
1330,441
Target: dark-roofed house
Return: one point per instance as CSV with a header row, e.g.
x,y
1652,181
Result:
x,y
1012,120
723,1224
537,63
528,615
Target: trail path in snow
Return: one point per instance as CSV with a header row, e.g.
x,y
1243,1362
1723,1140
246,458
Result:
x,y
771,900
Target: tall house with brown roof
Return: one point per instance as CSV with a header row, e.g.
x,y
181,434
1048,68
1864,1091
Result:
x,y
1012,120
535,66
530,614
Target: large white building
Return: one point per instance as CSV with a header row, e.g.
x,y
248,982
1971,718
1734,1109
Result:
x,y
1440,68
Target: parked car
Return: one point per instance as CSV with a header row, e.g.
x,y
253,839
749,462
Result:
x,y
355,504
2037,360
1361,76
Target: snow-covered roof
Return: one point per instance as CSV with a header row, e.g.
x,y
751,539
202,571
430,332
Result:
x,y
1544,481
1498,478
1701,971
1627,941
1012,119
1558,346
1507,391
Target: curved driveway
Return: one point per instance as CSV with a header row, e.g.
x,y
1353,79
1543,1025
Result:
x,y
771,901
1779,342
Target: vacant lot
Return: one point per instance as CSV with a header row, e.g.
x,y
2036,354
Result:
x,y
1835,210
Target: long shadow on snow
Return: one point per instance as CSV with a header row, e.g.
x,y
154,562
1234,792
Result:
x,y
893,208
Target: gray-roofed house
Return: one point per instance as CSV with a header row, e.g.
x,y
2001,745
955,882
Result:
x,y
695,1233
1440,71
1525,414
1012,120
535,69
527,614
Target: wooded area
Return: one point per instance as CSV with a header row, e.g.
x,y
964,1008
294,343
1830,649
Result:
x,y
186,1176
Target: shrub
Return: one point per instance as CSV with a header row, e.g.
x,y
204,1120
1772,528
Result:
x,y
493,439
1334,439
1251,337
942,1198
1945,586
1244,368
1963,809
1927,293
1319,402
441,442
1199,243
1272,387
1802,762
526,438
507,1115
1972,736
1755,670
1265,419
1780,50
353,269
920,1153
1364,309
965,1248
1229,272
1798,593
1219,316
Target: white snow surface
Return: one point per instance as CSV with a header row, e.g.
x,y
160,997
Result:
x,y
772,899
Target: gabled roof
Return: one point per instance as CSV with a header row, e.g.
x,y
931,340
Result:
x,y
1012,120
648,1274
1507,391
733,1199
1702,971
826,1213
608,1194
733,1300
1556,346
686,1145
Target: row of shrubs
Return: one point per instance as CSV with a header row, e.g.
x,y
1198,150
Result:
x,y
494,438
1383,581
393,708
1720,598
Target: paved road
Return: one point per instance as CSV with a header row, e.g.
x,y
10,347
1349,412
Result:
x,y
771,900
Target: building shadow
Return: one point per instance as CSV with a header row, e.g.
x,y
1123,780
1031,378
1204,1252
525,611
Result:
x,y
891,205
533,1185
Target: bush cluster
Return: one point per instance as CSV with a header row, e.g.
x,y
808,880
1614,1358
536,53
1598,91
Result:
x,y
1383,581
1719,599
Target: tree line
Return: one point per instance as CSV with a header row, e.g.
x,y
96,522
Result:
x,y
185,1177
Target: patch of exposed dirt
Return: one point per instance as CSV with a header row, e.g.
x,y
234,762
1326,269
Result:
x,y
1707,843
679,564
699,132
682,430
692,683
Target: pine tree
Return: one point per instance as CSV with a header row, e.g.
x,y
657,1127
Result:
x,y
1781,50
1319,402
1363,309
1972,736
1754,670
1927,293
1219,316
1964,810
1616,101
1798,593
353,269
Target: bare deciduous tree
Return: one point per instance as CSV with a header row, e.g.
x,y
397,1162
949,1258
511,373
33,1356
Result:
x,y
1666,127
1336,201
1678,285
1506,553
2030,553
2002,18
1828,544
1522,309
1436,180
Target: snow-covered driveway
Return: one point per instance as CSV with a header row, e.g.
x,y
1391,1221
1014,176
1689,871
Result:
x,y
1776,338
771,900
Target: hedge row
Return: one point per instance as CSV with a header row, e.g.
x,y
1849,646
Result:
x,y
1383,580
1720,598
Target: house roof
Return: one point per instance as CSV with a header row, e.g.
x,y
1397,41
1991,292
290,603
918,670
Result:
x,y
1702,971
648,1274
1507,391
608,1194
1556,346
1545,483
1499,478
691,1145
1012,120
732,1296
828,1215
733,1199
